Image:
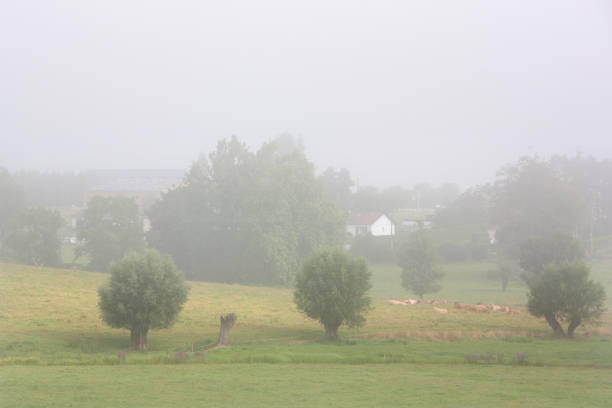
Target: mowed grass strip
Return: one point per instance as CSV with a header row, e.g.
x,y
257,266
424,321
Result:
x,y
265,385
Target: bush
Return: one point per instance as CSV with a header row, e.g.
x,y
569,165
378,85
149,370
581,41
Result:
x,y
145,291
332,287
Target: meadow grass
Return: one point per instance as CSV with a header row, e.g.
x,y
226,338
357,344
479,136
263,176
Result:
x,y
265,385
50,316
56,352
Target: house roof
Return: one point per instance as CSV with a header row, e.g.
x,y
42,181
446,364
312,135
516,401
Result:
x,y
363,218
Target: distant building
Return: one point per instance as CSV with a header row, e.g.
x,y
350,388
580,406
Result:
x,y
413,219
376,224
412,225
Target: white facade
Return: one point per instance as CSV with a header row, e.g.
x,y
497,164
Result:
x,y
382,227
379,227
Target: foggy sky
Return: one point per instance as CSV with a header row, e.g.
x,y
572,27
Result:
x,y
398,92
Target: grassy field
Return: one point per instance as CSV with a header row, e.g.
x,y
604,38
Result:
x,y
268,385
52,342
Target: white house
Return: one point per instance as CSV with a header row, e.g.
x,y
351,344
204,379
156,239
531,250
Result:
x,y
376,224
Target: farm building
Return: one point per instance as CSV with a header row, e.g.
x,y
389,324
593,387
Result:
x,y
376,224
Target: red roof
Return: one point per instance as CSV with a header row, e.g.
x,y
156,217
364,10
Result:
x,y
363,218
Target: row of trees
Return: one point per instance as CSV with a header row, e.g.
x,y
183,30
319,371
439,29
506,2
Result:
x,y
146,291
238,216
341,189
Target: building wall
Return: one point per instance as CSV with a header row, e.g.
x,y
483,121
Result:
x,y
355,230
382,227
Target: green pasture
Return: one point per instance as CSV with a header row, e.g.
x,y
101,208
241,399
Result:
x,y
306,385
56,352
50,316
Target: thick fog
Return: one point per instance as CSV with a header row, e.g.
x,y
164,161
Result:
x,y
398,92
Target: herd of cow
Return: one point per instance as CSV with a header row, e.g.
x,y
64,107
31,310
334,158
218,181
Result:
x,y
479,307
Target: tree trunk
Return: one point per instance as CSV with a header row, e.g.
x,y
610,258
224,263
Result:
x,y
227,322
552,321
139,339
574,323
331,332
505,282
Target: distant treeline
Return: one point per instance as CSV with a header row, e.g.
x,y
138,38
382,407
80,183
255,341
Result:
x,y
255,216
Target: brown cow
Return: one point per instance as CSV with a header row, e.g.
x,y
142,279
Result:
x,y
481,309
459,305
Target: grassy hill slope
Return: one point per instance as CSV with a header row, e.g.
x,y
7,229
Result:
x,y
51,316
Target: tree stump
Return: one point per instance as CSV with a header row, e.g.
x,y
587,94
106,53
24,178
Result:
x,y
227,322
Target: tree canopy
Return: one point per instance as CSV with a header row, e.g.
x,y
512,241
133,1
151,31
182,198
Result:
x,y
110,227
532,201
418,260
564,293
32,238
248,217
11,203
555,249
338,185
145,291
332,288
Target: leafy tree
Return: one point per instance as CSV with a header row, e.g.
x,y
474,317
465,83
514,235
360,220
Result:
x,y
366,199
51,189
110,227
462,226
145,291
531,201
338,185
12,201
394,198
33,238
369,198
566,294
248,217
331,288
592,179
556,249
507,269
418,260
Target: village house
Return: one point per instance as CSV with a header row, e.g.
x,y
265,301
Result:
x,y
375,224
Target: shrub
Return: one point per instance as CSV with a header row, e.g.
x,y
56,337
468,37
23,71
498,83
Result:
x,y
332,287
145,291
